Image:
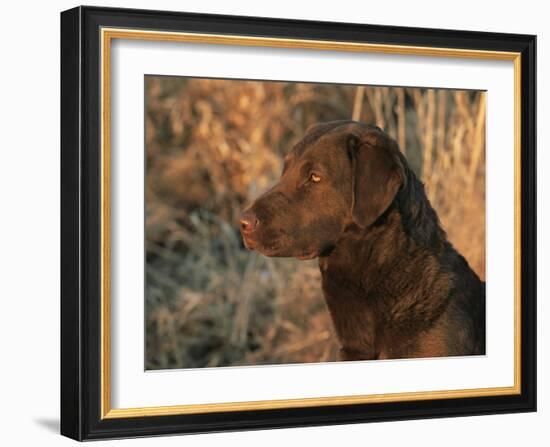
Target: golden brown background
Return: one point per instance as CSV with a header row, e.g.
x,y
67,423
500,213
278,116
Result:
x,y
212,146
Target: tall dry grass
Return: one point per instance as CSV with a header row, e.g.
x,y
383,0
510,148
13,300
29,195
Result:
x,y
214,145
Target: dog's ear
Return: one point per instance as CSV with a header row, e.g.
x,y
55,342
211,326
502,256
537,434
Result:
x,y
377,175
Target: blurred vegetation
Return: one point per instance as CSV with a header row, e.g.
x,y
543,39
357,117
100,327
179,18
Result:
x,y
212,146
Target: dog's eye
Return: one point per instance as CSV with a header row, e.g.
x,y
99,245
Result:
x,y
315,178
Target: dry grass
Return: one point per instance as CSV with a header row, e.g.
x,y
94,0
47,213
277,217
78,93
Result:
x,y
212,146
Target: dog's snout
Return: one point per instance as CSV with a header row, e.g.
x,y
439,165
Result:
x,y
249,222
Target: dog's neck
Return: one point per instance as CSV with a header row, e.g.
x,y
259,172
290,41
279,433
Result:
x,y
363,250
363,280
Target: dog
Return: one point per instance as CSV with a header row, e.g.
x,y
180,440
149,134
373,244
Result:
x,y
394,285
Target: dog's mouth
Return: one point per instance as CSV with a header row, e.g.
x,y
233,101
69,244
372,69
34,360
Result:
x,y
275,250
249,242
252,243
307,256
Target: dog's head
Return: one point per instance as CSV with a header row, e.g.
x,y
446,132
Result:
x,y
340,173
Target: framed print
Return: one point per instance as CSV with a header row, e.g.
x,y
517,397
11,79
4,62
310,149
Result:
x,y
273,223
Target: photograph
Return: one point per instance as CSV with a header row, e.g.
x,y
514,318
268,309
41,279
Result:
x,y
300,222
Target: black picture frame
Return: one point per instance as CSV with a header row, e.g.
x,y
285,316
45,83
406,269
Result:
x,y
81,223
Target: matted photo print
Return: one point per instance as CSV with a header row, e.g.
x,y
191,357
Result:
x,y
271,223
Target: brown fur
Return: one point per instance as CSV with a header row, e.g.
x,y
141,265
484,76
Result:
x,y
394,285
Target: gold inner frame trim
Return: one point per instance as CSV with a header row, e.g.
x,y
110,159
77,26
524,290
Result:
x,y
107,35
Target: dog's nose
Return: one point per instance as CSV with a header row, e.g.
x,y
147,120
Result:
x,y
249,222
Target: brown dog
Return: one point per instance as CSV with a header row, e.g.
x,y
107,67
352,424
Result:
x,y
394,284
